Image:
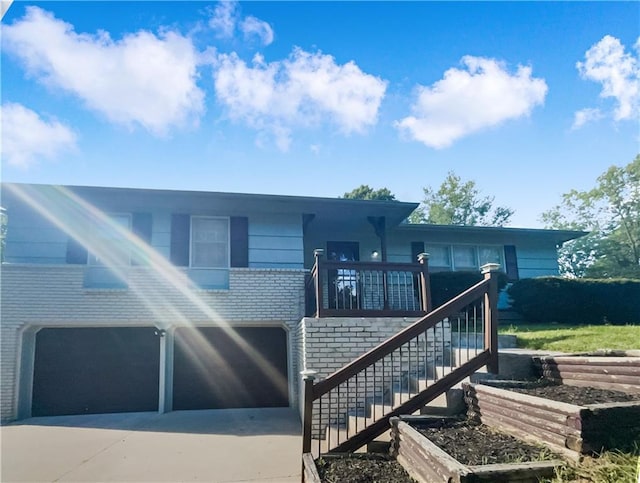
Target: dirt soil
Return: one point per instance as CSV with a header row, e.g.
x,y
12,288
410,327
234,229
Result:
x,y
473,443
573,394
362,468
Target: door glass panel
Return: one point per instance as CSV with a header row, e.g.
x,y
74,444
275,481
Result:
x,y
343,283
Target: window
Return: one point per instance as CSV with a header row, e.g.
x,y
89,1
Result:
x,y
111,246
439,255
209,242
463,257
490,255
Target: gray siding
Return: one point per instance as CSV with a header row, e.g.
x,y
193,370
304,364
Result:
x,y
536,257
537,261
32,239
275,240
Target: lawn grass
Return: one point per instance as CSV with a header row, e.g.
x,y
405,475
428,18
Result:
x,y
610,467
575,338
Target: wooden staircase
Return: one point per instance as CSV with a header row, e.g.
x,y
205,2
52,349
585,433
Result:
x,y
403,375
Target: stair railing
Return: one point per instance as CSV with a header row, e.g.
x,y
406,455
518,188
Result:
x,y
417,363
367,289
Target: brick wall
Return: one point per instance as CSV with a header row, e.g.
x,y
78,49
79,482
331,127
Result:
x,y
53,295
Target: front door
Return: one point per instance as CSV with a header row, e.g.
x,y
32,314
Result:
x,y
342,283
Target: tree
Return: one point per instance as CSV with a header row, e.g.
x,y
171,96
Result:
x,y
365,192
611,213
458,202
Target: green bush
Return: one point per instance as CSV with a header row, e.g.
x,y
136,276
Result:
x,y
577,301
446,285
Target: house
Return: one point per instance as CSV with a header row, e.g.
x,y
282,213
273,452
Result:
x,y
117,299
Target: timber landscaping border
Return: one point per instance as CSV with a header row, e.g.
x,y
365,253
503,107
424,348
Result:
x,y
426,462
570,429
614,370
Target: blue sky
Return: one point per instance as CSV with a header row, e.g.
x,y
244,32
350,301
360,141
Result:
x,y
530,100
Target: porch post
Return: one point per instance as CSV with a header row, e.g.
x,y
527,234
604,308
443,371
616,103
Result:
x,y
165,392
490,272
24,371
425,282
308,376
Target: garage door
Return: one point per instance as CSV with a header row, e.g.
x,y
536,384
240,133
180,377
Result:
x,y
95,370
215,369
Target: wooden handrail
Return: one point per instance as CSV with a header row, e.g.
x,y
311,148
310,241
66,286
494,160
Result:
x,y
372,266
311,274
402,337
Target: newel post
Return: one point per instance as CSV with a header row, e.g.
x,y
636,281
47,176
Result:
x,y
317,256
308,376
425,283
490,272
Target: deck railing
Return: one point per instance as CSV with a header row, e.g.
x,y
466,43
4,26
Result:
x,y
353,406
374,289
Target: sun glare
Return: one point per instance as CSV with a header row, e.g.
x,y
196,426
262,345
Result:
x,y
87,224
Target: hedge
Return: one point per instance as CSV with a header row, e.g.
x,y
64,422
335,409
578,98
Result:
x,y
446,285
577,301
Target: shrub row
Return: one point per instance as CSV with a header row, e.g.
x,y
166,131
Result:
x,y
577,301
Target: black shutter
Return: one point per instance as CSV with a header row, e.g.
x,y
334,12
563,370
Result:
x,y
142,226
239,227
416,249
511,263
76,252
180,231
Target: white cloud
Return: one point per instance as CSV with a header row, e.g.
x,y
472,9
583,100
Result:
x,y
224,19
583,116
142,79
252,26
467,100
618,72
26,137
303,90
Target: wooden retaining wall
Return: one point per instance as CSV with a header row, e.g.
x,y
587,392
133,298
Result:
x,y
567,428
613,373
427,463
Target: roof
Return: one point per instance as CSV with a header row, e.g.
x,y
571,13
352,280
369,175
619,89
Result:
x,y
337,209
558,236
334,210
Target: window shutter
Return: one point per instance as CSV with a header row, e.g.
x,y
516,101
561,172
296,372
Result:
x,y
76,252
142,226
239,226
416,249
511,263
180,233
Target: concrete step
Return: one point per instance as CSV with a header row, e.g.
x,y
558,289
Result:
x,y
448,404
476,339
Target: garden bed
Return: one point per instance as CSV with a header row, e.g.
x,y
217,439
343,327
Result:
x,y
354,468
575,427
448,449
618,370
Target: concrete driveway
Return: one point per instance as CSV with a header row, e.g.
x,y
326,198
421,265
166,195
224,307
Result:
x,y
230,445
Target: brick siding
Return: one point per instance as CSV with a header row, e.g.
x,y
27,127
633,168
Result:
x,y
54,296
